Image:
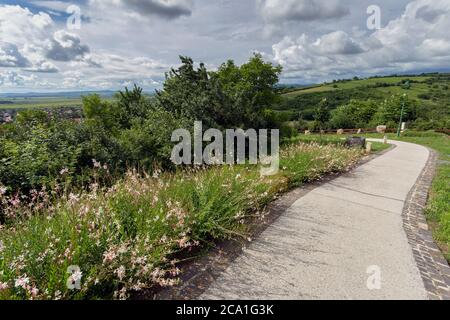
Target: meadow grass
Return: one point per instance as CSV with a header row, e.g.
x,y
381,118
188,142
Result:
x,y
360,83
330,139
127,238
34,103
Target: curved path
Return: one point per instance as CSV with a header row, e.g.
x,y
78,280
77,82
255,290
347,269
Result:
x,y
336,239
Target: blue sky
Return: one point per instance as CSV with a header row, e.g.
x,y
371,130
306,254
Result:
x,y
121,42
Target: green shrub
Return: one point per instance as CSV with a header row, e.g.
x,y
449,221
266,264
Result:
x,y
125,238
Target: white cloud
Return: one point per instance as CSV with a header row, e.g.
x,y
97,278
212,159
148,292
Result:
x,y
418,39
13,79
20,26
129,41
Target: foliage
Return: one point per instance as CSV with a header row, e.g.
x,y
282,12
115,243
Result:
x,y
125,238
231,97
355,114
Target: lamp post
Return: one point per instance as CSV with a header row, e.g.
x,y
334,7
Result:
x,y
401,116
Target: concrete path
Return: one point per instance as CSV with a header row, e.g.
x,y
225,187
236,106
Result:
x,y
324,246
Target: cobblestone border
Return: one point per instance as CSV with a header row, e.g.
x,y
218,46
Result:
x,y
433,267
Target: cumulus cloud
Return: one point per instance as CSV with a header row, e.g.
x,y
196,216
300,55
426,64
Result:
x,y
65,46
301,10
43,67
24,34
14,79
337,42
20,26
11,57
418,39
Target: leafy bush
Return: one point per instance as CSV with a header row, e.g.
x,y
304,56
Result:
x,y
356,114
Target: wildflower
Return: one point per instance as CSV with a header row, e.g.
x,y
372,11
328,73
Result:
x,y
73,198
3,286
57,295
109,256
121,294
64,171
34,292
156,174
238,176
76,276
22,282
2,246
2,190
96,163
120,272
15,202
183,242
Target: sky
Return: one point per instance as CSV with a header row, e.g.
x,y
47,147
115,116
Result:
x,y
109,44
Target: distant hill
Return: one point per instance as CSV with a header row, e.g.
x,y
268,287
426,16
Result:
x,y
67,94
431,91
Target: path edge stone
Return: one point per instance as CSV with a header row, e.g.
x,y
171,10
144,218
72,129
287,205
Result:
x,y
432,265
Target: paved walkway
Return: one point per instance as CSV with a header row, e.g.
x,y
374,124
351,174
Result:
x,y
322,247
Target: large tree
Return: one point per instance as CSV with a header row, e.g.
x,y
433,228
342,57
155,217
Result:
x,y
233,96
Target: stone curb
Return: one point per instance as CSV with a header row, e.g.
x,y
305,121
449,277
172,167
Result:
x,y
433,267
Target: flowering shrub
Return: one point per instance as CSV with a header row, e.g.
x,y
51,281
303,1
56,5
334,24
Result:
x,y
108,243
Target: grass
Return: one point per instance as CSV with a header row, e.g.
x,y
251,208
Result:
x,y
337,140
360,83
22,103
128,237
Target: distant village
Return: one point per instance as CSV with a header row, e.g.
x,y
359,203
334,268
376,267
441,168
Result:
x,y
74,113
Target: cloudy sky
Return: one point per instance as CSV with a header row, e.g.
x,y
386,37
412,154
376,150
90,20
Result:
x,y
108,44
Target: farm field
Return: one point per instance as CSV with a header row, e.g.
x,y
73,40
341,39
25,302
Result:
x,y
26,103
355,84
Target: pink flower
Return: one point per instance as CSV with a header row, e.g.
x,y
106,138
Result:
x,y
120,272
34,292
3,286
109,256
22,282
